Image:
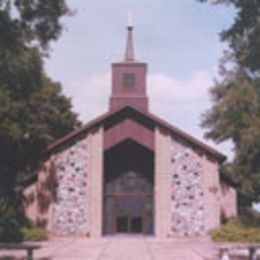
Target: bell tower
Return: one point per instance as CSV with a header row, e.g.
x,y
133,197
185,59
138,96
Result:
x,y
129,79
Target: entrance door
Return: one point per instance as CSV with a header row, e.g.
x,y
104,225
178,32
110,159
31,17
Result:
x,y
128,205
129,214
128,189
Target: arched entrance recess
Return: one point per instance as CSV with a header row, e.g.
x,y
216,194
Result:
x,y
128,189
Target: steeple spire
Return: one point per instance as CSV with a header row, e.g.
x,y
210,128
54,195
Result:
x,y
129,52
129,78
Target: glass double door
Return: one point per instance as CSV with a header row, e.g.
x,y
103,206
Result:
x,y
128,204
128,213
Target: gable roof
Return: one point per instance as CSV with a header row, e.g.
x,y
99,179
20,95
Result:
x,y
148,119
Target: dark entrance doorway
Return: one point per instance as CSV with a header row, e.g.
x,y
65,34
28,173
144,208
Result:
x,y
128,189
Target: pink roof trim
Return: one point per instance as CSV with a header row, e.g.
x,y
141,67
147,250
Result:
x,y
99,120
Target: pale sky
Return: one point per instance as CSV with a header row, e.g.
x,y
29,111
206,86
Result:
x,y
179,39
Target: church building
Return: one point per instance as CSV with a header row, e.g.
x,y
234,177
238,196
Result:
x,y
129,172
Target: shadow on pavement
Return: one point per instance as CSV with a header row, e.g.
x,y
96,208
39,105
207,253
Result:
x,y
9,257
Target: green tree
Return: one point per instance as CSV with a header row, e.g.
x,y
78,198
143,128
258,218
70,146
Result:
x,y
31,22
235,114
33,110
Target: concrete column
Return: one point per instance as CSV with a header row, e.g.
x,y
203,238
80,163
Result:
x,y
162,187
96,182
211,185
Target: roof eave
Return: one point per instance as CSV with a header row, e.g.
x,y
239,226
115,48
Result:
x,y
99,120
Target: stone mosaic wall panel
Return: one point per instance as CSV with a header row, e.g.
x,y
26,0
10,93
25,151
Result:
x,y
187,197
70,205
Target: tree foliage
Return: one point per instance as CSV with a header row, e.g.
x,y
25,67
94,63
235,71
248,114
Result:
x,y
31,21
33,110
235,114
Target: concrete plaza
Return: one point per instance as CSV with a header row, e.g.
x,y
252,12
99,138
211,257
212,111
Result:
x,y
120,248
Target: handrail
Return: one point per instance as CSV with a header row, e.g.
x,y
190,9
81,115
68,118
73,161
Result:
x,y
224,250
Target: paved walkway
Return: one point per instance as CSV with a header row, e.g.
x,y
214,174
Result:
x,y
120,248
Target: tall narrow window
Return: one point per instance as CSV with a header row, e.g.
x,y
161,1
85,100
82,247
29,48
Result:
x,y
128,80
